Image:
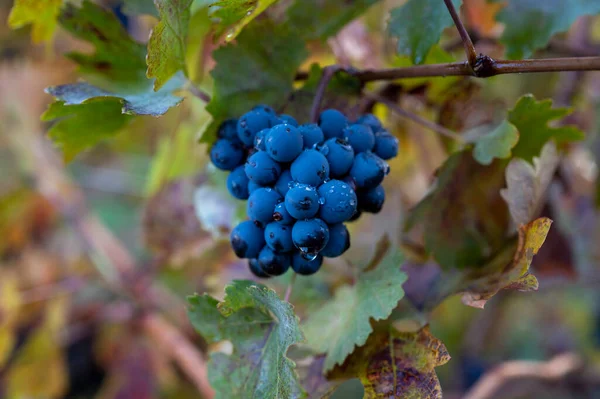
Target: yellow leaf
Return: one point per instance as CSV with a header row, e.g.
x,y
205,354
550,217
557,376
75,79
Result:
x,y
42,14
9,304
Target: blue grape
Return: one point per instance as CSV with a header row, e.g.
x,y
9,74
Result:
x,y
226,154
251,123
259,139
372,199
261,204
283,143
338,202
339,154
332,122
281,215
311,167
368,170
310,236
302,201
360,137
311,134
264,108
279,237
304,266
256,269
228,130
237,183
386,145
356,216
283,183
247,239
288,119
372,121
272,263
261,169
339,241
350,181
252,186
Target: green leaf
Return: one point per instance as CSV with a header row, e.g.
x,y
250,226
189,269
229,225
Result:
x,y
531,118
261,328
395,364
233,15
88,114
118,60
139,7
270,56
418,25
522,37
496,144
167,44
41,14
344,322
200,26
320,19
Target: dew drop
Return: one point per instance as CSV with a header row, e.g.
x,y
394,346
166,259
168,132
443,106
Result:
x,y
387,169
321,201
303,249
309,256
324,150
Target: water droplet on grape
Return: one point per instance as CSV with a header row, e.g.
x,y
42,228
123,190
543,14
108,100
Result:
x,y
324,150
387,169
321,201
309,256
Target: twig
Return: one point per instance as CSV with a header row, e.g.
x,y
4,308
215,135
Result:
x,y
510,373
464,35
288,291
198,93
415,118
328,73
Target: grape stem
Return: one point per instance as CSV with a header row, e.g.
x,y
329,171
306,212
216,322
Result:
x,y
464,35
328,73
288,291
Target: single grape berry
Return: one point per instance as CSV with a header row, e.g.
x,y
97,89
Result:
x,y
252,186
264,108
371,200
372,121
339,154
251,123
288,119
356,216
386,145
247,239
339,241
283,183
261,169
272,263
302,201
311,167
338,202
256,269
283,143
360,137
237,183
310,236
304,266
228,130
281,215
261,204
259,139
332,122
368,170
226,154
350,181
279,237
311,134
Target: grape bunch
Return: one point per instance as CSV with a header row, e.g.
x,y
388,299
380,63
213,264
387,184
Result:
x,y
302,183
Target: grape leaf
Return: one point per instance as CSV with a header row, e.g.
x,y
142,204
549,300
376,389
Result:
x,y
531,118
261,328
87,114
320,19
139,7
41,14
270,56
118,60
527,184
167,44
235,14
344,322
418,25
497,142
522,37
395,364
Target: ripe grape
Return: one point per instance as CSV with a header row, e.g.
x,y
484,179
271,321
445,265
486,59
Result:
x,y
226,154
237,183
288,119
332,122
368,170
339,241
252,186
371,121
228,130
310,236
247,239
264,108
372,199
360,137
259,139
283,143
261,204
304,266
261,169
281,215
302,201
311,134
311,167
339,154
338,202
251,123
386,145
256,269
279,237
272,263
283,183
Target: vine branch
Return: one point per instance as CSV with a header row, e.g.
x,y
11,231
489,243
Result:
x,y
464,35
328,73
